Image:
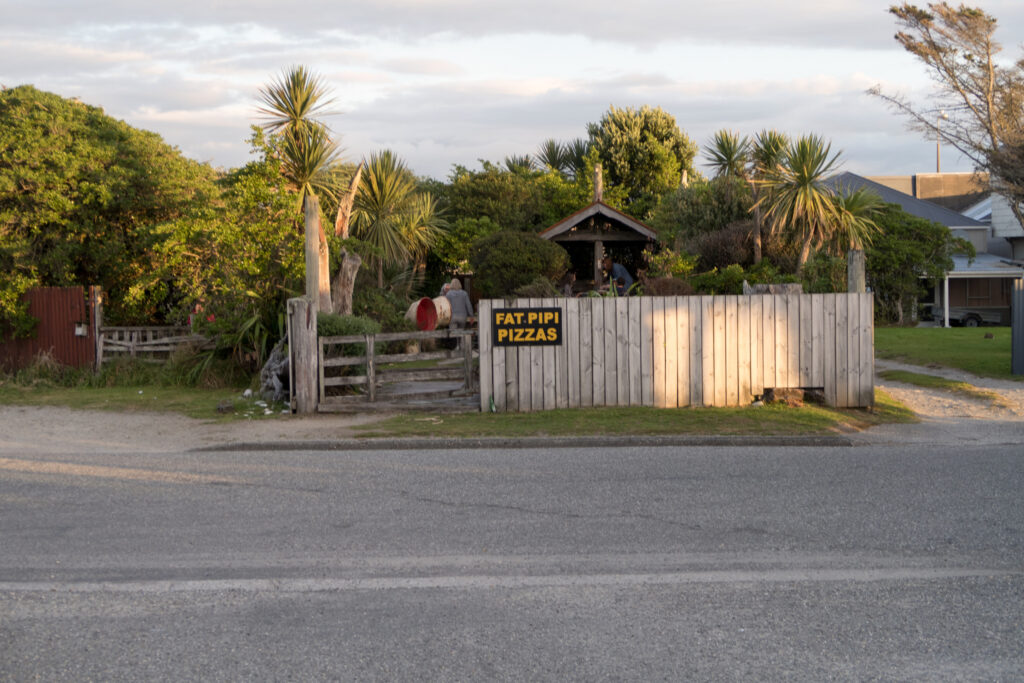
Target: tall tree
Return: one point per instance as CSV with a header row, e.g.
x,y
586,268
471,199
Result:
x,y
983,99
554,155
80,196
309,160
798,202
728,154
767,151
643,151
389,213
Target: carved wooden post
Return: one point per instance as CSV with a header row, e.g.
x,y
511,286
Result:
x,y
303,343
598,183
311,206
856,280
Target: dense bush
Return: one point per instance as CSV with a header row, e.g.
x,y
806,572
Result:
x,y
539,288
505,261
722,248
384,306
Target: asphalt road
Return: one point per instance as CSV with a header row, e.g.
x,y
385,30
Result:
x,y
653,563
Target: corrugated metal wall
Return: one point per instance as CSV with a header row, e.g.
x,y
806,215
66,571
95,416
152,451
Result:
x,y
59,310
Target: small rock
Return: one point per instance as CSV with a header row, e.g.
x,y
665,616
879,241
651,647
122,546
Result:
x,y
225,407
247,393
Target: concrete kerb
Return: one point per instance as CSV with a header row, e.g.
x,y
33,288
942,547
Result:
x,y
635,441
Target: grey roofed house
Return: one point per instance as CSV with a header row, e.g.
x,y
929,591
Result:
x,y
978,289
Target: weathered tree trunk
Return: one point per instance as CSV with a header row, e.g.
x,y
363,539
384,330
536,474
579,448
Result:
x,y
344,283
758,222
324,272
311,209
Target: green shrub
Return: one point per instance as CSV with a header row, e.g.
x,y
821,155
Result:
x,y
384,306
332,325
505,261
539,288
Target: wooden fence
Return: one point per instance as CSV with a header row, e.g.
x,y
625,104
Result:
x,y
153,344
374,375
680,351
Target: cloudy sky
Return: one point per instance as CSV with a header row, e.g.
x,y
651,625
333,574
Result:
x,y
446,82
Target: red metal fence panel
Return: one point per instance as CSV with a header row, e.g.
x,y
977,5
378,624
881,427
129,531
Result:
x,y
66,329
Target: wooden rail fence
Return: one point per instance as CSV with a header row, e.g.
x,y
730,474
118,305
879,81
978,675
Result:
x,y
680,351
371,362
152,344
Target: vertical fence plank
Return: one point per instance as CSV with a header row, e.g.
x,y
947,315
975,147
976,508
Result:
x,y
793,302
572,351
829,337
744,342
719,355
769,343
671,353
647,350
658,345
842,348
622,350
550,381
486,370
707,350
611,370
732,351
597,333
696,365
806,340
853,351
756,380
500,379
781,341
586,332
371,368
682,351
817,340
537,378
561,360
635,354
525,370
866,397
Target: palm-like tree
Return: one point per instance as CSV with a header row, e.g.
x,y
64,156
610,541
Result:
x,y
553,154
728,154
856,211
309,157
520,163
766,152
799,203
576,156
389,214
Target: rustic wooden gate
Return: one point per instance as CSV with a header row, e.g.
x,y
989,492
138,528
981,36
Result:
x,y
383,377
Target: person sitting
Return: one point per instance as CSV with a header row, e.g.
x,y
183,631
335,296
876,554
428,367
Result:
x,y
618,273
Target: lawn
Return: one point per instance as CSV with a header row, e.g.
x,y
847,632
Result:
x,y
964,348
749,421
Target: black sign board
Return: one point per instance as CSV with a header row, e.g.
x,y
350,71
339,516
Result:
x,y
527,326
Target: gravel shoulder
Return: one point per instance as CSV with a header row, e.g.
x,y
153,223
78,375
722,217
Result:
x,y
945,418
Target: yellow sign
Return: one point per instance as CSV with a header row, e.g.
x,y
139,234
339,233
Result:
x,y
527,326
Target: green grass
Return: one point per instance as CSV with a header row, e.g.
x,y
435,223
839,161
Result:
x,y
189,401
943,384
963,348
752,421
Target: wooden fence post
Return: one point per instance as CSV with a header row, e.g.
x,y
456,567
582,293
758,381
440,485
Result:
x,y
371,369
304,353
1017,328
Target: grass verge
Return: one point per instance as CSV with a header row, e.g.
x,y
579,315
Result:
x,y
753,421
206,404
963,348
943,384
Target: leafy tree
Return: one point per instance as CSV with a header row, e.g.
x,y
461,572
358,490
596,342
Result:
x,y
983,99
235,262
507,260
451,252
701,207
80,194
309,161
644,152
766,153
729,154
855,227
798,202
905,251
392,216
554,155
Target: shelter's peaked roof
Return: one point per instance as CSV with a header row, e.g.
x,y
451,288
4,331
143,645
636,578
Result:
x,y
602,209
921,208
